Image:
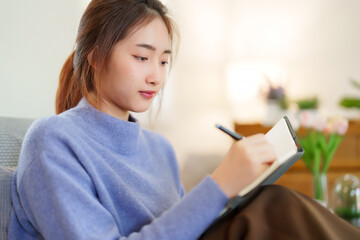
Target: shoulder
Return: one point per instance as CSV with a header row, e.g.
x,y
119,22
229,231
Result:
x,y
44,135
36,132
46,127
46,139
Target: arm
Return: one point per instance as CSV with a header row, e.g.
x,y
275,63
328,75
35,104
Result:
x,y
60,200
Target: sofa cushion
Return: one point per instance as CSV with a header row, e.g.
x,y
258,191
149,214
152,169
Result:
x,y
5,200
12,131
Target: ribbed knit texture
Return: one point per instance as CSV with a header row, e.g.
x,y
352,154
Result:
x,y
12,131
87,175
5,200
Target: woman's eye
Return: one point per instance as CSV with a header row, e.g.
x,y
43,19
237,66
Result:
x,y
164,63
141,58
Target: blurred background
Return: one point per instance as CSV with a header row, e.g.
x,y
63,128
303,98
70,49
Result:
x,y
231,52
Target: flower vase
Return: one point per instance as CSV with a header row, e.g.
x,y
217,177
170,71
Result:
x,y
320,189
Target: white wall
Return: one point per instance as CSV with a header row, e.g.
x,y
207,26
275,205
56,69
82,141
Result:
x,y
36,37
316,43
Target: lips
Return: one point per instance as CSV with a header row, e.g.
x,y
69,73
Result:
x,y
147,94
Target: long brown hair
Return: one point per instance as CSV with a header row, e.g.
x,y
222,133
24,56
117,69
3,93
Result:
x,y
103,24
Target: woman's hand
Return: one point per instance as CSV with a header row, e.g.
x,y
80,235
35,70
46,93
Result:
x,y
243,163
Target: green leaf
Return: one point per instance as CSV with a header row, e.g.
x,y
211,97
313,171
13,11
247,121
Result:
x,y
322,143
332,141
331,152
310,103
348,102
308,155
317,160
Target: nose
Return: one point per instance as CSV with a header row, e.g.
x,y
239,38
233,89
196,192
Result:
x,y
155,76
152,81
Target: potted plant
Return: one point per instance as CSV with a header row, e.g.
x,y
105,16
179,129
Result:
x,y
320,139
276,102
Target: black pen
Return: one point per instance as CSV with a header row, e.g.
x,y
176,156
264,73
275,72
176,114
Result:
x,y
234,135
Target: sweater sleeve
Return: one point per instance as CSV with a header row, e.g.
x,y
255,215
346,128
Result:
x,y
58,198
190,217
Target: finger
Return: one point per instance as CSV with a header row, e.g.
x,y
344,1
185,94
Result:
x,y
263,168
266,157
257,138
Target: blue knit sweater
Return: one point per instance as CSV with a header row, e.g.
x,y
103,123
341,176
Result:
x,y
84,174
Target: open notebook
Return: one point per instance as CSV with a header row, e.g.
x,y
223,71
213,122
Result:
x,y
288,151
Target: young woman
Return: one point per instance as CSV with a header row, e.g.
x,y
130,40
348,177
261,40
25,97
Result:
x,y
91,172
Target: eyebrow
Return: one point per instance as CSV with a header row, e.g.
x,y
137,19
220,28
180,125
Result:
x,y
152,48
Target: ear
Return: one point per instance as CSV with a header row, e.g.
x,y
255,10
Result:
x,y
92,57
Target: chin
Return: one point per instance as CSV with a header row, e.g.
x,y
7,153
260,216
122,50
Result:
x,y
140,109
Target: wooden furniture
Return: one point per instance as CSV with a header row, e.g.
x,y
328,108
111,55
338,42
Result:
x,y
298,177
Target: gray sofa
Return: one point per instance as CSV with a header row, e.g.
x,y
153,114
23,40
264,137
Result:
x,y
12,131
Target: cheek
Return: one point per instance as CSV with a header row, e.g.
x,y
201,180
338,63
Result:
x,y
128,72
165,72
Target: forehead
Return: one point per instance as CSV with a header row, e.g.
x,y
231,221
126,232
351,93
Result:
x,y
154,33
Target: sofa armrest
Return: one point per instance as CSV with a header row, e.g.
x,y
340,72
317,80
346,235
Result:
x,y
5,200
12,132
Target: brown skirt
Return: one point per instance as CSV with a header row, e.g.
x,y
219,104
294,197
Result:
x,y
279,213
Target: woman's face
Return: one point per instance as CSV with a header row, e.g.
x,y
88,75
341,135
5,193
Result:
x,y
136,70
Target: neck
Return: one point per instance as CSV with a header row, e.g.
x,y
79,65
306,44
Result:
x,y
112,110
107,128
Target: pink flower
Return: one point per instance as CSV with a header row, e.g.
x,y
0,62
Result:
x,y
329,127
320,124
307,119
341,126
337,125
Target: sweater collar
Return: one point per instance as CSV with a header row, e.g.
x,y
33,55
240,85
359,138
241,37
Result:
x,y
120,135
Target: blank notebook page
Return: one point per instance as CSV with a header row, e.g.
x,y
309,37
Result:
x,y
282,140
